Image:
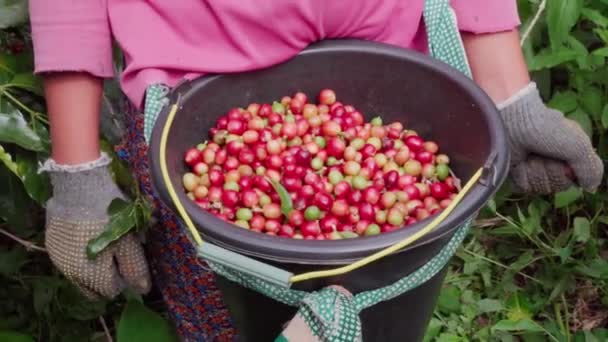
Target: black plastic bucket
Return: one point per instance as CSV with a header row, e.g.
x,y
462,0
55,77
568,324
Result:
x,y
424,94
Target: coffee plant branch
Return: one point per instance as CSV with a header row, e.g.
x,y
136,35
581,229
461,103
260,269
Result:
x,y
102,321
539,11
27,244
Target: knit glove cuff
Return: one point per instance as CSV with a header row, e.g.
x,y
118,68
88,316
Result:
x,y
86,185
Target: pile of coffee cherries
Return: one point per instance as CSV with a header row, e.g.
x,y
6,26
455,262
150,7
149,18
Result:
x,y
302,170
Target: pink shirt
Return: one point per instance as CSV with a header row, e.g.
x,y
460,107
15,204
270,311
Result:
x,y
165,41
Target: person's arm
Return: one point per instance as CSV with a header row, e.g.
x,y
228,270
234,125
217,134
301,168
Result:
x,y
497,63
73,103
491,40
73,52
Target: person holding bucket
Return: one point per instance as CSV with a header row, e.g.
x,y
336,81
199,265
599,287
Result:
x,y
167,42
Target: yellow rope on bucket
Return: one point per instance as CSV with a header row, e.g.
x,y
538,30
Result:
x,y
314,274
167,180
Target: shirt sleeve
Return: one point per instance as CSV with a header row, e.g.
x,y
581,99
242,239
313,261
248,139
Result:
x,y
486,16
71,35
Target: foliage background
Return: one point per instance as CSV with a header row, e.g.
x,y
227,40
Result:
x,y
535,269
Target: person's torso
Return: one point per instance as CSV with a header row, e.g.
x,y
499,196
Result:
x,y
216,36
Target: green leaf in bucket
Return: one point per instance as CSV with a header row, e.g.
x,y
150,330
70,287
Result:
x,y
348,235
278,107
286,204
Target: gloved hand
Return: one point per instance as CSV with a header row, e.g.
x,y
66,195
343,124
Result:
x,y
76,213
543,143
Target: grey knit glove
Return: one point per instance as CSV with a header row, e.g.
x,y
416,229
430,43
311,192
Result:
x,y
76,213
543,143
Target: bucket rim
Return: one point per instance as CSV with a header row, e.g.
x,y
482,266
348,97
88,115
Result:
x,y
339,252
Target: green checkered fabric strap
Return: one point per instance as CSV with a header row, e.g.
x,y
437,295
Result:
x,y
156,99
330,315
444,40
342,324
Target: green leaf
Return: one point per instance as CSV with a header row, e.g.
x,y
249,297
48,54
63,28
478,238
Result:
x,y
10,65
591,101
605,116
11,260
43,133
14,336
567,197
78,307
27,81
524,324
525,9
583,120
447,337
117,205
491,205
12,13
130,294
449,299
138,323
582,229
121,222
601,52
600,333
583,60
14,129
286,204
432,330
597,62
489,305
561,17
36,184
7,160
16,207
565,253
589,337
548,59
598,268
603,34
543,80
45,289
523,260
565,102
519,307
561,286
594,16
506,230
143,213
